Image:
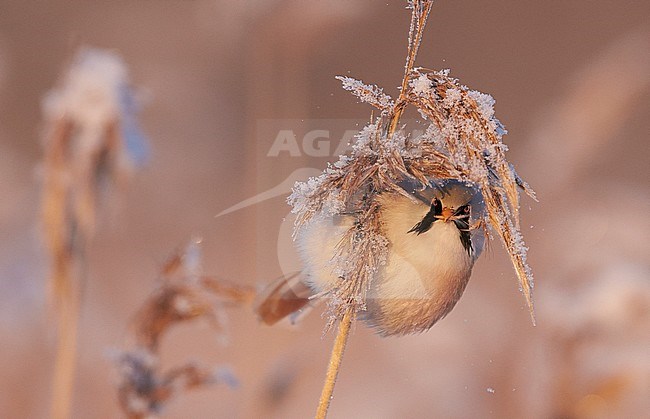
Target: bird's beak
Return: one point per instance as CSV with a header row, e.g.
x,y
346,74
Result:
x,y
446,214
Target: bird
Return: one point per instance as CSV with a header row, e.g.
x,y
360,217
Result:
x,y
434,234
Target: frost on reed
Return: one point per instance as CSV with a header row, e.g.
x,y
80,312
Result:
x,y
91,142
463,140
184,294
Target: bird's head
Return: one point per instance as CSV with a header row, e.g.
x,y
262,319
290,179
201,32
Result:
x,y
448,200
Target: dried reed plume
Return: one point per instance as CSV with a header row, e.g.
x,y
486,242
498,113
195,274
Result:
x,y
462,141
90,144
183,295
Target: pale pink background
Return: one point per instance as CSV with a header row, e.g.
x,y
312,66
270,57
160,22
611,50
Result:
x,y
571,80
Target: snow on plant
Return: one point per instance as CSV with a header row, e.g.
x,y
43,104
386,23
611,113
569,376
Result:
x,y
463,140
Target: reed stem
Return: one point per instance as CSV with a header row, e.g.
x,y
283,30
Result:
x,y
335,363
66,351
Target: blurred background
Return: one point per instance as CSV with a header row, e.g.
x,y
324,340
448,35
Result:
x,y
219,81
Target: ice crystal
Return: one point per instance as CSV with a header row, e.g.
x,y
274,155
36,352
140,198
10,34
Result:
x,y
367,93
462,141
421,85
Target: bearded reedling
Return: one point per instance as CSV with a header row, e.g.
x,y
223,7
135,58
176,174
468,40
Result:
x,y
434,239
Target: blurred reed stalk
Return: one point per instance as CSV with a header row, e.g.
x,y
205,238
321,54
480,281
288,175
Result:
x,y
90,143
65,253
183,295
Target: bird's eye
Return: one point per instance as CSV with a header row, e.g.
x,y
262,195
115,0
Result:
x,y
466,209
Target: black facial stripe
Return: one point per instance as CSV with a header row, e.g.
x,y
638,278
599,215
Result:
x,y
424,225
465,237
462,223
428,220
